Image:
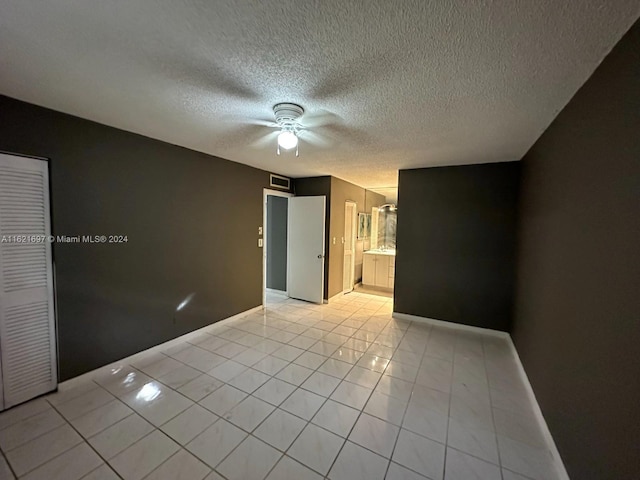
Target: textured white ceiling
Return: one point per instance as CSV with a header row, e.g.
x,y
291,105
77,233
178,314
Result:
x,y
411,83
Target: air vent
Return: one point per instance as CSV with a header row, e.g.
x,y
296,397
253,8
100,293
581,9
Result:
x,y
280,182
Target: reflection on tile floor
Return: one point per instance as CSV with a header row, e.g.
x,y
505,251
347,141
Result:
x,y
297,391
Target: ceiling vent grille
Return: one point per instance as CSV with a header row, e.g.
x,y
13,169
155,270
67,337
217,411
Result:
x,y
277,181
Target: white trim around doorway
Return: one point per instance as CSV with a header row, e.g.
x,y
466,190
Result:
x,y
266,193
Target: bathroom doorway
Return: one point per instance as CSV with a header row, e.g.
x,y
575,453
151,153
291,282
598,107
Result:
x,y
378,266
275,243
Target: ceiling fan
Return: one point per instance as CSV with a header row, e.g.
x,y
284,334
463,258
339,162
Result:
x,y
287,116
291,122
291,125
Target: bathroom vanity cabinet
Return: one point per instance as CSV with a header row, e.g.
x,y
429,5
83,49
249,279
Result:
x,y
378,269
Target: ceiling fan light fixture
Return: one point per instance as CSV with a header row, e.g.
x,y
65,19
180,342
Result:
x,y
287,139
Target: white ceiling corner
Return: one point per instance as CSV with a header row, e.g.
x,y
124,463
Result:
x,y
389,193
411,83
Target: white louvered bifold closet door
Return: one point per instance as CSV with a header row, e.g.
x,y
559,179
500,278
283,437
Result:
x,y
27,328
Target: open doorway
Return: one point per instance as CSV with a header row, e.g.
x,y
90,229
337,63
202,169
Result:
x,y
293,241
378,266
275,243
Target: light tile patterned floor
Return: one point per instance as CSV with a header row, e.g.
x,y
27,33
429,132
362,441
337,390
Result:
x,y
298,391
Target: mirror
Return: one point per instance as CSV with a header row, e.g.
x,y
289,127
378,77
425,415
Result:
x,y
381,203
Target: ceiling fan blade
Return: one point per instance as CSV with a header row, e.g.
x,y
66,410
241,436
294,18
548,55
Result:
x,y
314,139
318,118
268,140
357,73
341,131
200,71
241,136
264,122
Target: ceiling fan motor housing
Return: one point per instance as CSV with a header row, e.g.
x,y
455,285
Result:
x,y
287,115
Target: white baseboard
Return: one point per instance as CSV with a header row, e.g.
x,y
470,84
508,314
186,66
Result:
x,y
276,291
558,463
67,384
455,326
333,298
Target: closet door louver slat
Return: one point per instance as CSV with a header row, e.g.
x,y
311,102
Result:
x,y
27,331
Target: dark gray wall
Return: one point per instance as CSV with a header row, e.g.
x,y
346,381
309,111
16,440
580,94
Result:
x,y
456,243
315,186
191,220
577,322
277,208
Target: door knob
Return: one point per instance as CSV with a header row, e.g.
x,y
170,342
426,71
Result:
x,y
320,256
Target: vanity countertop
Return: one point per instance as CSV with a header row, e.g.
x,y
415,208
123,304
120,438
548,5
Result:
x,y
381,252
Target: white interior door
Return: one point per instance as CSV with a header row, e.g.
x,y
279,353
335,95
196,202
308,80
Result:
x,y
349,246
27,328
306,248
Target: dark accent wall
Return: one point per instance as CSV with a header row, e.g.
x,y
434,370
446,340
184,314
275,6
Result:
x,y
277,208
191,221
577,316
456,243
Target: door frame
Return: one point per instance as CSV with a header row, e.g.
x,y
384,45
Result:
x,y
265,194
354,225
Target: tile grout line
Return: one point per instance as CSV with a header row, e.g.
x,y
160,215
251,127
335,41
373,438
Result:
x,y
327,398
66,422
362,411
88,444
405,410
278,407
449,403
182,448
5,452
378,332
308,422
344,439
446,443
6,460
493,420
115,397
300,386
